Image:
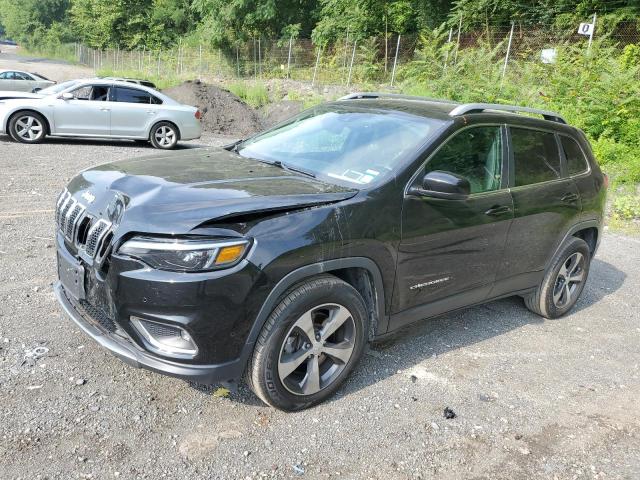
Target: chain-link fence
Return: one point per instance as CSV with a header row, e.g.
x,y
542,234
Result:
x,y
346,61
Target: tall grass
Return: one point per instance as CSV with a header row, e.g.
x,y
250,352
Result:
x,y
255,94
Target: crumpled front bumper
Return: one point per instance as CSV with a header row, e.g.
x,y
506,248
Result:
x,y
130,353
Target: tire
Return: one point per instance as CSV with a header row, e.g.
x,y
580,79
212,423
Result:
x,y
281,369
28,127
563,282
164,135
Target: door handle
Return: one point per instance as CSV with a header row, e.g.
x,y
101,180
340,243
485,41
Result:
x,y
569,198
104,109
151,112
498,210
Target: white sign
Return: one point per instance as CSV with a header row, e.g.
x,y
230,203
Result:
x,y
548,55
585,29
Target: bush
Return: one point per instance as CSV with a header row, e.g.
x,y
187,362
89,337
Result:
x,y
626,207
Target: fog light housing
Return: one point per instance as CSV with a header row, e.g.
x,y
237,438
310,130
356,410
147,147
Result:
x,y
165,339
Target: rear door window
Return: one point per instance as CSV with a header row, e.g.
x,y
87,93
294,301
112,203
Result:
x,y
133,95
576,161
536,157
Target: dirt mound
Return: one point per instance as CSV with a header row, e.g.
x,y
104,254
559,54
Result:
x,y
275,113
222,111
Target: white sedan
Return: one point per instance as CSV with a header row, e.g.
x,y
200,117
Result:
x,y
100,108
17,80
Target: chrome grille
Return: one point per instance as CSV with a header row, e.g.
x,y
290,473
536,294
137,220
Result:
x,y
95,236
70,214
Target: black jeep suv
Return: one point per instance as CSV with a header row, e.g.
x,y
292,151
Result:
x,y
278,258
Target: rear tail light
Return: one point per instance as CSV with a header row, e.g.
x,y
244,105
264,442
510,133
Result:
x,y
198,114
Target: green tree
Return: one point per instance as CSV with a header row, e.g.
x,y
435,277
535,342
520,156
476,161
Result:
x,y
28,21
225,21
366,18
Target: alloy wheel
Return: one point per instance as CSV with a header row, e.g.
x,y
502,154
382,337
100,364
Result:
x,y
165,136
316,349
29,128
568,281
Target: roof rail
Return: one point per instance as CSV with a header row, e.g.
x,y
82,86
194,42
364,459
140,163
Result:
x,y
398,96
482,107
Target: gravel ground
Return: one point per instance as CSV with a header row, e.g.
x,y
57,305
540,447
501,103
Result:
x,y
533,398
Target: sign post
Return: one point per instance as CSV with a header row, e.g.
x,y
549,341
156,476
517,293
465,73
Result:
x,y
588,29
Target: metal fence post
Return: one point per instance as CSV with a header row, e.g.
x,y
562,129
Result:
x,y
395,61
455,58
289,57
238,60
315,70
353,56
593,29
259,58
506,57
446,58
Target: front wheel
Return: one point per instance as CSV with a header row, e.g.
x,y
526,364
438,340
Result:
x,y
563,282
164,135
309,345
28,127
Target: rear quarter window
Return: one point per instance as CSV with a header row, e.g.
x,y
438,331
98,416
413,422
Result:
x,y
133,95
536,157
576,161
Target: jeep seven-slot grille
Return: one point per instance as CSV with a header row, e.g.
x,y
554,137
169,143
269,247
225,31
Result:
x,y
70,215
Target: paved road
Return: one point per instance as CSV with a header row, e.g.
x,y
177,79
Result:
x,y
533,398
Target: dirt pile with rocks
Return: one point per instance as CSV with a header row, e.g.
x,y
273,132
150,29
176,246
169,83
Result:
x,y
278,112
222,112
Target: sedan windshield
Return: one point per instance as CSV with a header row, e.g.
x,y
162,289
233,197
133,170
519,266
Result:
x,y
53,89
346,144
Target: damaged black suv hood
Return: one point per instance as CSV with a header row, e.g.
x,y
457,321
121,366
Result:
x,y
179,191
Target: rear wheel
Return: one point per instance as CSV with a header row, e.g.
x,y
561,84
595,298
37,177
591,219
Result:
x,y
28,127
563,283
309,345
164,135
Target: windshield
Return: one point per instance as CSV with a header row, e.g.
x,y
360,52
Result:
x,y
53,89
352,145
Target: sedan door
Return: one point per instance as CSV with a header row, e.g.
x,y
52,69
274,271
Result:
x,y
133,112
451,248
7,81
88,113
23,82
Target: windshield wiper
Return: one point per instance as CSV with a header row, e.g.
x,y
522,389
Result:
x,y
233,147
284,166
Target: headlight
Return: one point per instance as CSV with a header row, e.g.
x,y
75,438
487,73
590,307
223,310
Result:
x,y
185,255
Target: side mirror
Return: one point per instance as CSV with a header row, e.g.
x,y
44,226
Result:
x,y
66,96
446,185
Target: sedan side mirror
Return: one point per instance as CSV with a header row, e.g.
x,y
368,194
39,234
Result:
x,y
67,96
440,184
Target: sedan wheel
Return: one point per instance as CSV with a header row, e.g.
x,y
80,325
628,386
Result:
x,y
164,136
27,128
